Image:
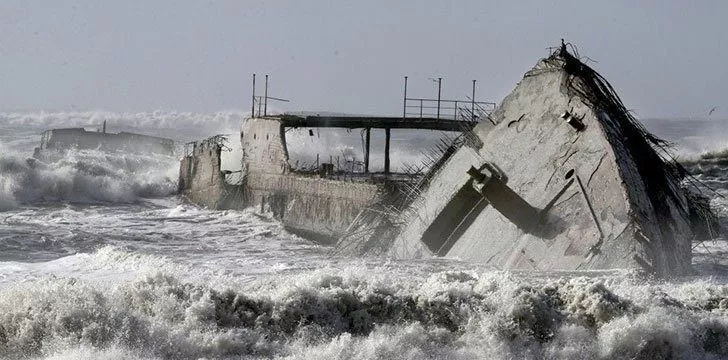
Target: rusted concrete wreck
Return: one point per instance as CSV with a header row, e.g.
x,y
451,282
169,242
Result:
x,y
560,177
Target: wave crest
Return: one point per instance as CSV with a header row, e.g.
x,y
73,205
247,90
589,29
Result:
x,y
85,177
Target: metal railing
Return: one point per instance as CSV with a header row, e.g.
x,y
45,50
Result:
x,y
468,109
194,148
463,110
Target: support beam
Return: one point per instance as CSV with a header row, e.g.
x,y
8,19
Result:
x,y
387,136
366,151
374,122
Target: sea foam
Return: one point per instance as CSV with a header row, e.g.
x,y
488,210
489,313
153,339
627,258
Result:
x,y
352,313
85,176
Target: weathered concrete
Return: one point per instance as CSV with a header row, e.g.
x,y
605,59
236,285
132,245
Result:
x,y
315,207
264,146
556,198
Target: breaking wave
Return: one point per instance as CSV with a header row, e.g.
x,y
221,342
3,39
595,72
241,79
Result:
x,y
85,177
709,166
342,314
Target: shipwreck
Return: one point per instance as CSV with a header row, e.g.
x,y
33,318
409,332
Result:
x,y
559,176
55,142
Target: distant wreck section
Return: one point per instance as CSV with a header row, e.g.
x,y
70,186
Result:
x,y
56,140
559,177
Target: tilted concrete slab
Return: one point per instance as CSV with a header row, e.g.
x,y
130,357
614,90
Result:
x,y
557,196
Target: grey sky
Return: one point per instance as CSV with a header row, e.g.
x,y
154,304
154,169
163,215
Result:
x,y
666,58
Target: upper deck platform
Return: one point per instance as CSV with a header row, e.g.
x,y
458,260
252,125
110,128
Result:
x,y
371,122
417,113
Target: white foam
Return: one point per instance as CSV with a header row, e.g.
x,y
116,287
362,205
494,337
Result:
x,y
86,176
349,313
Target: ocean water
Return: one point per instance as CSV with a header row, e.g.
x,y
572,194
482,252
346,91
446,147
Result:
x,y
97,262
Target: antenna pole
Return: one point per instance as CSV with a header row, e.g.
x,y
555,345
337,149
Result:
x,y
252,110
265,107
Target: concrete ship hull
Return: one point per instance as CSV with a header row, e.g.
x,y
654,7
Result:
x,y
561,177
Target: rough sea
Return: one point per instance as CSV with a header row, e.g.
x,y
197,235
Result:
x,y
97,262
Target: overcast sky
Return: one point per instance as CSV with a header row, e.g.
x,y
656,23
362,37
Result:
x,y
665,58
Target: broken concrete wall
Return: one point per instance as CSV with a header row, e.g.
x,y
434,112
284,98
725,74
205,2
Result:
x,y
597,213
202,182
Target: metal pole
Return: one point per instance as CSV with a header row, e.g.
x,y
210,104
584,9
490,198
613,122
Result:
x,y
265,108
455,114
439,91
387,136
252,110
472,103
404,107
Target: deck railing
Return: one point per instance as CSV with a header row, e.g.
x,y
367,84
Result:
x,y
462,110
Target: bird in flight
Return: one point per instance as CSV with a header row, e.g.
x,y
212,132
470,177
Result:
x,y
711,110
